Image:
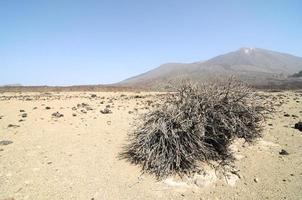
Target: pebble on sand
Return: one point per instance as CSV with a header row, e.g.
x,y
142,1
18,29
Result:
x,y
5,142
283,152
106,111
13,126
298,126
57,115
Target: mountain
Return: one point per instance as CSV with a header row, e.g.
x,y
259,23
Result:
x,y
254,65
12,85
296,75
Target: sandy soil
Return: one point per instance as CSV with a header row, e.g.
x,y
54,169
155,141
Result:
x,y
75,156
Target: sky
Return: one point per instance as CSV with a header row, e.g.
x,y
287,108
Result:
x,y
75,42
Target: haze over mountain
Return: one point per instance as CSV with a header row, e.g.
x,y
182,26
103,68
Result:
x,y
254,65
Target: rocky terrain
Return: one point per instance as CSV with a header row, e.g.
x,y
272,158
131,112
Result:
x,y
65,145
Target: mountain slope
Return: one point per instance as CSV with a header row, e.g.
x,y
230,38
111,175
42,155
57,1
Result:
x,y
254,65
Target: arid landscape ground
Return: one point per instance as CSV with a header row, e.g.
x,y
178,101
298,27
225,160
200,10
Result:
x,y
65,145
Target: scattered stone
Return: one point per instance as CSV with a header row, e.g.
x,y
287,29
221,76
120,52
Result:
x,y
22,110
57,115
298,126
49,163
294,116
270,124
84,111
21,120
5,142
74,108
93,96
84,106
283,152
24,115
34,108
74,115
106,111
47,108
286,115
13,126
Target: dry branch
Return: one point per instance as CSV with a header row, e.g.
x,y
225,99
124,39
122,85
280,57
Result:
x,y
197,123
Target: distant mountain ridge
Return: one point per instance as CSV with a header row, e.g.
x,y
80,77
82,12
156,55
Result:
x,y
254,65
12,85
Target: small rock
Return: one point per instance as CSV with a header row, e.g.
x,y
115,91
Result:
x,y
13,126
137,97
106,111
298,126
286,115
5,142
93,96
24,115
57,115
47,108
283,152
73,114
256,180
22,110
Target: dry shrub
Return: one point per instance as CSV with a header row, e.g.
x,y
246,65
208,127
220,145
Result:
x,y
195,124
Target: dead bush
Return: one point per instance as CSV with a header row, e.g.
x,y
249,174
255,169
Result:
x,y
195,124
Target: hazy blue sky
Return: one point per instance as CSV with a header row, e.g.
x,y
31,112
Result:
x,y
62,42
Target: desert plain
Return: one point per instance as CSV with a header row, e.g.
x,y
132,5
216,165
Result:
x,y
66,145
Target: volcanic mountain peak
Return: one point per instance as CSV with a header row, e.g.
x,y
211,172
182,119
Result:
x,y
247,50
254,65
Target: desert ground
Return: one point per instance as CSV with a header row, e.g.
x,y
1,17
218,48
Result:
x,y
65,145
